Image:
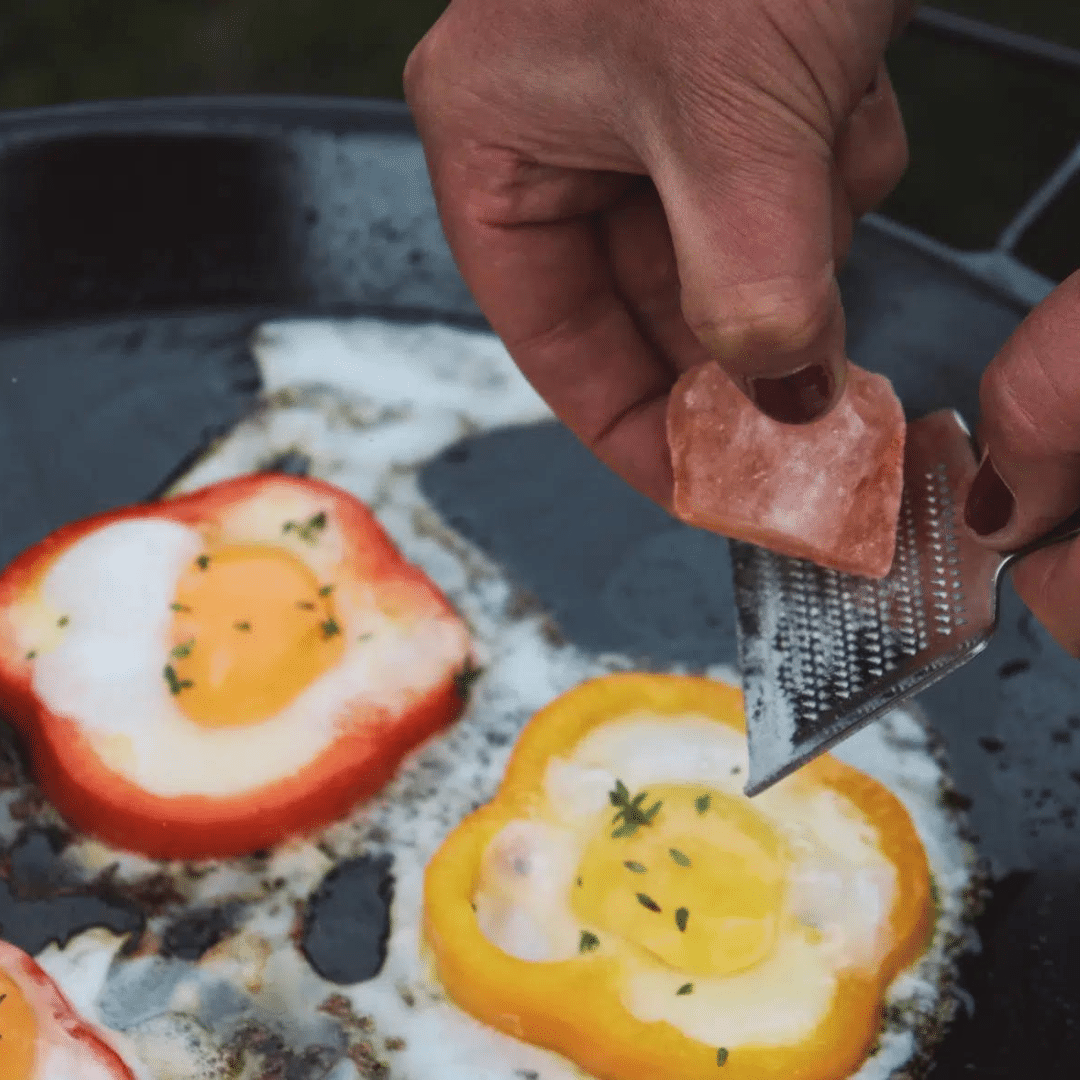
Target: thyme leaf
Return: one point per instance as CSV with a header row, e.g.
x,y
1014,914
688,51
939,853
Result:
x,y
31,654
308,532
202,562
620,796
635,867
305,605
679,857
176,684
686,988
681,918
702,802
326,590
242,626
329,627
588,942
648,902
179,607
183,650
721,1056
63,621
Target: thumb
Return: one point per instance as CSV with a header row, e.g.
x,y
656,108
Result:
x,y
1029,479
753,235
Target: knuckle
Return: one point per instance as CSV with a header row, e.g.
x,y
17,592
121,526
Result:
x,y
784,315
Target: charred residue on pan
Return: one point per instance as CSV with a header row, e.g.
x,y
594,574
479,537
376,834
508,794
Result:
x,y
347,920
41,903
195,931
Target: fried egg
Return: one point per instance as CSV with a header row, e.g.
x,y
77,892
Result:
x,y
758,927
41,1036
236,665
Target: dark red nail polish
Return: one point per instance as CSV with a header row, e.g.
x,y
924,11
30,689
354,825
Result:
x,y
797,398
990,503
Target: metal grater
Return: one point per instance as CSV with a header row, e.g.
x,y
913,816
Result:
x,y
822,653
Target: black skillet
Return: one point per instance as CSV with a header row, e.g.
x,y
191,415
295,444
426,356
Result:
x,y
141,242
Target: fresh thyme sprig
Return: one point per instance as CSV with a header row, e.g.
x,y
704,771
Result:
x,y
630,811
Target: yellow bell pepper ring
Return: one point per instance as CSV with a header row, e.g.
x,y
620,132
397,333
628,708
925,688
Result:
x,y
679,896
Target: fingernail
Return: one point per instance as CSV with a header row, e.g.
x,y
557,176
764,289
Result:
x,y
797,398
990,503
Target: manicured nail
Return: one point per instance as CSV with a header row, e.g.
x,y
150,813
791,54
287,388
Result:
x,y
990,504
797,398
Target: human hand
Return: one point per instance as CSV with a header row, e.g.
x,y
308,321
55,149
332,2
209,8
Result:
x,y
633,187
1029,479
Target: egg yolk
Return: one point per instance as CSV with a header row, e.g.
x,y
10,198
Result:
x,y
700,887
18,1032
252,627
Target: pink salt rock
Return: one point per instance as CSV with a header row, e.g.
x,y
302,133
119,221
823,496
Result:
x,y
828,491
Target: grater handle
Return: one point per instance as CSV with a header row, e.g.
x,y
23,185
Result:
x,y
1066,530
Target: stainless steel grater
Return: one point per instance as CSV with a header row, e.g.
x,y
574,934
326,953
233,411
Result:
x,y
823,653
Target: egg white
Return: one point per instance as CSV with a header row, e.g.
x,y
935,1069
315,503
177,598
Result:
x,y
103,667
838,882
368,403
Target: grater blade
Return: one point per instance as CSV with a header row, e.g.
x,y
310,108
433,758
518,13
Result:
x,y
823,653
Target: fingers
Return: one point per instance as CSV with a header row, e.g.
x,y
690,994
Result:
x,y
872,151
1049,583
1029,479
753,233
1030,427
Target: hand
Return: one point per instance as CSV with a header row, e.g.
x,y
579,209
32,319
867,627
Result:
x,y
633,187
1029,479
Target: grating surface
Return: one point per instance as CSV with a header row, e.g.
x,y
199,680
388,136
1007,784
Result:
x,y
823,652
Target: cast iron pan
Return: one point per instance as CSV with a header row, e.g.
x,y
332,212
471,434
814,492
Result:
x,y
140,243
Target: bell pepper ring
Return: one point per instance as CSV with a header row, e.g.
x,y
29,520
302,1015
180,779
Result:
x,y
208,675
41,1035
620,902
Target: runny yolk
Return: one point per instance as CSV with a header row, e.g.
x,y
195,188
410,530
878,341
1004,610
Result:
x,y
252,628
699,889
18,1032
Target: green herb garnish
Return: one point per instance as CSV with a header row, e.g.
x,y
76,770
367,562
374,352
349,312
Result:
x,y
588,942
305,605
183,650
702,803
681,917
329,628
636,867
179,607
202,562
630,811
63,621
647,902
579,882
721,1056
31,654
176,684
242,626
686,988
326,590
308,532
679,857
464,679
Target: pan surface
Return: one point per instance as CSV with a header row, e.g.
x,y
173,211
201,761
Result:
x,y
140,245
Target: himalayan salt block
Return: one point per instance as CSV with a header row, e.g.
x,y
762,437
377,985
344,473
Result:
x,y
828,491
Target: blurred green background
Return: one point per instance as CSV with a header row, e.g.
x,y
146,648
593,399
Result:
x,y
984,131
